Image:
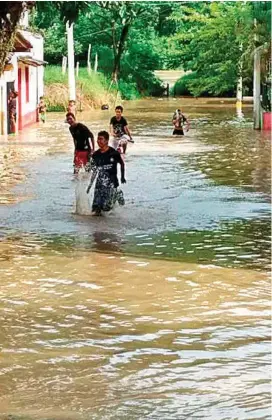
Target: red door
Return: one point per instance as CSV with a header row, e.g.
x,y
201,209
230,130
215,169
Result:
x,y
20,99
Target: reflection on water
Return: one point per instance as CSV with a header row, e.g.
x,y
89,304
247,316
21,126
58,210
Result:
x,y
169,318
102,336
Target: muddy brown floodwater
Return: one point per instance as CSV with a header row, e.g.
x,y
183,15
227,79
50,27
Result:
x,y
161,309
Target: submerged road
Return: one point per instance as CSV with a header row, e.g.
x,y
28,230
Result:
x,y
160,310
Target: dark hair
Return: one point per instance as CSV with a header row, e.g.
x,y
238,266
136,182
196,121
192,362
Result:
x,y
70,114
41,97
119,107
104,134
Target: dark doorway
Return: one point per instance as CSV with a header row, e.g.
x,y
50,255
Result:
x,y
10,88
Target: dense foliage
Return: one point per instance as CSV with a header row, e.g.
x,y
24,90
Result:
x,y
213,41
123,34
216,41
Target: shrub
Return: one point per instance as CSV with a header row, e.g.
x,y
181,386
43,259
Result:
x,y
128,90
181,87
92,89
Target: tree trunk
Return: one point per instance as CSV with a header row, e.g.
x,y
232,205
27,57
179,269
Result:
x,y
10,15
119,52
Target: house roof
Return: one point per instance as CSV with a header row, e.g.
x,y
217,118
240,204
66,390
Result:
x,y
21,44
30,61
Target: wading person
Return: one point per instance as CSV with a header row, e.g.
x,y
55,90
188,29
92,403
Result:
x,y
82,136
104,166
178,121
42,109
119,130
72,107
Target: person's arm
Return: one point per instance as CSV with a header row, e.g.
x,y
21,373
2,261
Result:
x,y
90,136
128,132
73,137
120,160
176,120
126,129
187,123
92,141
112,133
94,170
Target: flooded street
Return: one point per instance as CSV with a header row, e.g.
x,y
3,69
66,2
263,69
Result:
x,y
161,309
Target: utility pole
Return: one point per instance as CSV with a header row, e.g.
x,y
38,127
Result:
x,y
257,90
257,85
239,91
71,61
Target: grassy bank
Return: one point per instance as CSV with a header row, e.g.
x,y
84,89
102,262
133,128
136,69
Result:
x,y
92,90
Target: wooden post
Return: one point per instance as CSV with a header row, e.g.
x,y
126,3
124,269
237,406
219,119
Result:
x,y
89,67
64,65
71,62
80,98
95,63
77,68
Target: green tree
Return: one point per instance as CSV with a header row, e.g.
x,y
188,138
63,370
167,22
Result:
x,y
216,42
117,19
94,25
214,46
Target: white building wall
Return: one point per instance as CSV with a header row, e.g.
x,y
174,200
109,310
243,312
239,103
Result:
x,y
7,76
31,104
36,83
37,52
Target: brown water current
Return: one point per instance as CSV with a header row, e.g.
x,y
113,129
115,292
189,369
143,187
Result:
x,y
159,310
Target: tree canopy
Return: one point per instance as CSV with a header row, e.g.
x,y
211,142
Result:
x,y
216,42
213,41
10,14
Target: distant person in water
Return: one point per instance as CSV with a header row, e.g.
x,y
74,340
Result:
x,y
72,107
82,136
41,109
119,130
104,165
178,121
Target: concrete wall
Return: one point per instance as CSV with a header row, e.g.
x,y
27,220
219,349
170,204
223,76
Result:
x,y
37,52
36,85
36,74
